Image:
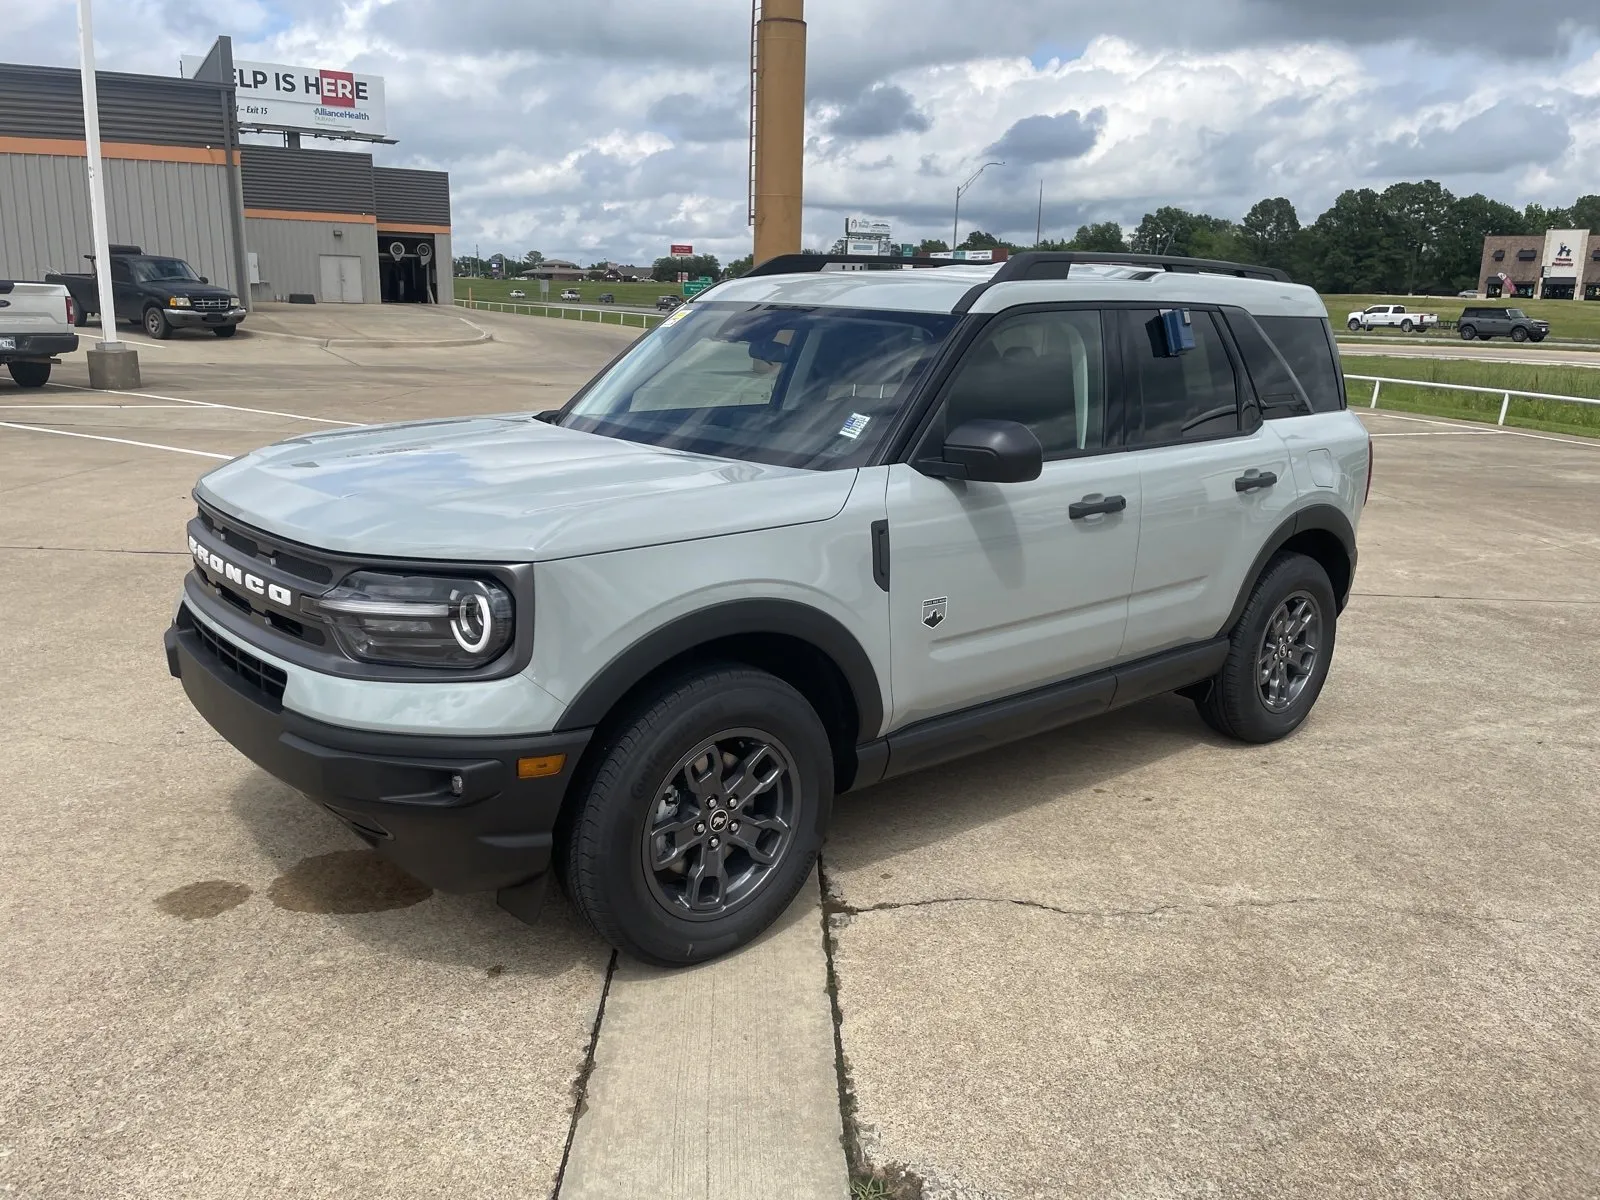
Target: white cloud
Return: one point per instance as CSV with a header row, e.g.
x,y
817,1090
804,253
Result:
x,y
609,130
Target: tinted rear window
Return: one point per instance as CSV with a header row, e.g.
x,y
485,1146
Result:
x,y
1309,351
1277,387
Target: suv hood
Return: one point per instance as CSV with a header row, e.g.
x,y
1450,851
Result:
x,y
506,489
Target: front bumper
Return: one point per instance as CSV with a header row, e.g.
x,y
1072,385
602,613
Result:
x,y
188,318
39,345
393,790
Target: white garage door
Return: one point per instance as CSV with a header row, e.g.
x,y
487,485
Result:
x,y
341,279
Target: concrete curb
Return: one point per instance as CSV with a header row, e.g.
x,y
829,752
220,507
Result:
x,y
337,343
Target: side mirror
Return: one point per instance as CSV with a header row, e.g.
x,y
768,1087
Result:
x,y
203,279
986,451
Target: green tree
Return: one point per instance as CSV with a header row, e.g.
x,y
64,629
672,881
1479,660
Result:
x,y
739,266
1537,218
979,240
666,268
1421,215
1357,246
1168,230
1471,219
1270,233
1586,214
932,246
1104,236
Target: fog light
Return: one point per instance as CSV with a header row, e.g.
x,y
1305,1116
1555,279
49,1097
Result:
x,y
538,768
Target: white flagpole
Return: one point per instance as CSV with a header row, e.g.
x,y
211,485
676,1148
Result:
x,y
97,187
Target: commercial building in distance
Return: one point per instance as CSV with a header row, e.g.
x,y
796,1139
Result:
x,y
1560,264
271,222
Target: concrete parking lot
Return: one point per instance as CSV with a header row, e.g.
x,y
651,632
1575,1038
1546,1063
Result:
x,y
1126,959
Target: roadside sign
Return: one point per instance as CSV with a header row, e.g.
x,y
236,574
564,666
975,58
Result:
x,y
695,287
704,279
544,287
907,250
682,251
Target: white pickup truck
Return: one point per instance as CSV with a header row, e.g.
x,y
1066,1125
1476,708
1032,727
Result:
x,y
1393,316
35,326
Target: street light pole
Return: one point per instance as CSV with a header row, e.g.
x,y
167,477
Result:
x,y
114,364
955,230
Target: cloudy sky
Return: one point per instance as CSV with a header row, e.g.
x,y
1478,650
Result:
x,y
609,128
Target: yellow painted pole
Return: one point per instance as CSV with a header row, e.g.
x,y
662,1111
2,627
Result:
x,y
780,126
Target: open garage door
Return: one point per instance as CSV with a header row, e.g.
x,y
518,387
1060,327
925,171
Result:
x,y
407,268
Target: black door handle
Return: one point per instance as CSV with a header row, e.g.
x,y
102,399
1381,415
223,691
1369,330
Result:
x,y
1253,480
1093,505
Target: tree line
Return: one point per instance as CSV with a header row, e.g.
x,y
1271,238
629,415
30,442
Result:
x,y
1410,238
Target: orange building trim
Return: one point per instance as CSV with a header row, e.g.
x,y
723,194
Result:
x,y
410,227
138,151
291,214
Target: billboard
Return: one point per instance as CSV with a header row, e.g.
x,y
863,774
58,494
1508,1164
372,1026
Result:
x,y
310,99
1564,249
682,250
865,227
855,247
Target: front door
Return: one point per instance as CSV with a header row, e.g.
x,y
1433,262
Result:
x,y
341,279
998,588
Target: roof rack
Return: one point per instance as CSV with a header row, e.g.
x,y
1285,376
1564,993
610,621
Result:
x,y
794,264
1058,264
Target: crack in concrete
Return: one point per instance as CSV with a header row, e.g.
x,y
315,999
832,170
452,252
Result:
x,y
580,1085
835,907
1477,599
94,550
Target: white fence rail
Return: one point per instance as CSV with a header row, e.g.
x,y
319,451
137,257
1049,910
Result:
x,y
595,316
1506,394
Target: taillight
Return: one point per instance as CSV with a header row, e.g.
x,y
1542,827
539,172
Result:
x,y
70,319
1368,495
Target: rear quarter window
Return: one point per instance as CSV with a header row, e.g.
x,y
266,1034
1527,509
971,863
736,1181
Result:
x,y
1307,346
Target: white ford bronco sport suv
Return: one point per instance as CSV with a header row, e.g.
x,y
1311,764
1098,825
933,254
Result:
x,y
826,525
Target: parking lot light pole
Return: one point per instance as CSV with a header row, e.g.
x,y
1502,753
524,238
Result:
x,y
955,229
113,364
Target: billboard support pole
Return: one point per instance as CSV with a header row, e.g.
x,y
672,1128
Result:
x,y
113,364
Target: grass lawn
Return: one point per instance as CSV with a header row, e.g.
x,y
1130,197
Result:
x,y
640,295
1551,415
1570,320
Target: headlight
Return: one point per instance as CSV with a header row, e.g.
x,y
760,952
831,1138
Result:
x,y
179,302
233,302
417,620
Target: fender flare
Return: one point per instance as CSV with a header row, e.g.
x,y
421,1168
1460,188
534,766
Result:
x,y
785,617
1323,517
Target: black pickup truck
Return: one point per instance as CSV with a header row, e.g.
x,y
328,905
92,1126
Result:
x,y
157,292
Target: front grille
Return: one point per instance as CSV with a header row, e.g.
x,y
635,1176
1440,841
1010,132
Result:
x,y
210,304
238,540
264,677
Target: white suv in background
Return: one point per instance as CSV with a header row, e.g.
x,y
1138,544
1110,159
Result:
x,y
828,524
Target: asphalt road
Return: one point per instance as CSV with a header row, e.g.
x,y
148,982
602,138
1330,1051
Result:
x,y
1496,351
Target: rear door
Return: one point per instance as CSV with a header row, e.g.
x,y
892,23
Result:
x,y
1214,479
998,588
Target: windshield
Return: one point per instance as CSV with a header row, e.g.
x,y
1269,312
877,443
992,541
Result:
x,y
157,270
799,387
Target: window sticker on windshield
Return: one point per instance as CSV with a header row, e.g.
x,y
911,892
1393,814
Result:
x,y
674,316
853,427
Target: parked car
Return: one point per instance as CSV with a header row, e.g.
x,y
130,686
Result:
x,y
1390,316
644,640
517,294
571,294
36,322
1486,323
1467,295
158,292
668,303
606,298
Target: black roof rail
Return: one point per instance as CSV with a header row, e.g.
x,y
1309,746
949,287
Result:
x,y
1058,264
794,264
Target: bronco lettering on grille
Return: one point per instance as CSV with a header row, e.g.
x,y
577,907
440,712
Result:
x,y
220,566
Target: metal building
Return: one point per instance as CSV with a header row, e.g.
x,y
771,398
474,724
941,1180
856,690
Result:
x,y
269,222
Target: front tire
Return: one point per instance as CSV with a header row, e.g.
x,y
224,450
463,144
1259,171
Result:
x,y
1406,326
1519,334
155,324
29,374
225,330
703,817
1279,657
1353,325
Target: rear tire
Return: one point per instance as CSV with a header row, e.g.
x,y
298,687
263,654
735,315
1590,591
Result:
x,y
655,858
1279,656
155,324
29,374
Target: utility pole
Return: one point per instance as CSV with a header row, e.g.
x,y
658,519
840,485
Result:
x,y
955,231
778,122
114,364
1038,224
